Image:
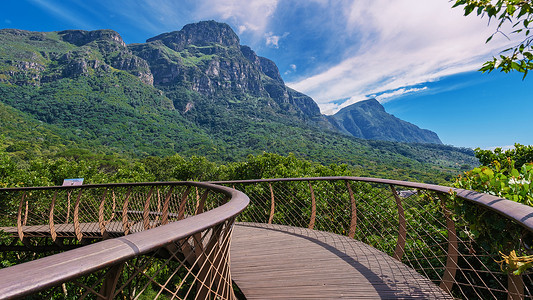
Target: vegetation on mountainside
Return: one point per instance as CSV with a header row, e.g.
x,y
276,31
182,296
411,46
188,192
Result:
x,y
87,90
107,114
78,163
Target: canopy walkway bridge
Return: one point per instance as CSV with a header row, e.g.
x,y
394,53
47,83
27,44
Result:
x,y
300,238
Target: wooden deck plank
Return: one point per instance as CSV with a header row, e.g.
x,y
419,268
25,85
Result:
x,y
282,262
67,230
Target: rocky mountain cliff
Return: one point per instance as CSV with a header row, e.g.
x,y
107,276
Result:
x,y
195,91
201,69
368,120
207,58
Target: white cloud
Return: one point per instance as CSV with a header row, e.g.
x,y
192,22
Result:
x,y
292,68
504,148
401,43
385,97
242,29
244,16
65,14
253,16
272,40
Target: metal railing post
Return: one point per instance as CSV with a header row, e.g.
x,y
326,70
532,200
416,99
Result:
x,y
402,226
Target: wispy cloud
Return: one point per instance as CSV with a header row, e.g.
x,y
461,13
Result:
x,y
292,68
272,40
157,16
402,43
247,16
154,16
387,96
507,147
62,12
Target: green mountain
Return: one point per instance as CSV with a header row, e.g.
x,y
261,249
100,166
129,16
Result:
x,y
368,120
196,91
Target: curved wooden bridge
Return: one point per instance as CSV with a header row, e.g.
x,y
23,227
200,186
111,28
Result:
x,y
304,238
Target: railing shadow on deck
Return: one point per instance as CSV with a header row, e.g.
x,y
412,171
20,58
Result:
x,y
430,228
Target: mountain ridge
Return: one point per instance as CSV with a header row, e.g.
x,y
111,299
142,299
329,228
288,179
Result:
x,y
205,57
368,119
217,98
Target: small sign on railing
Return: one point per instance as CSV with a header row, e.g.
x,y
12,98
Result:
x,y
72,181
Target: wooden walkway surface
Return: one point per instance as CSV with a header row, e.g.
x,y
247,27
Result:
x,y
282,262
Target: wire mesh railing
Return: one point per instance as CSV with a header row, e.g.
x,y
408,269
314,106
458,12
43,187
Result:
x,y
187,258
450,236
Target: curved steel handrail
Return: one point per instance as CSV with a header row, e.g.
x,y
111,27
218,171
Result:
x,y
37,276
451,249
522,214
30,277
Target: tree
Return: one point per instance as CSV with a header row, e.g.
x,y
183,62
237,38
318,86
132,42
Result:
x,y
517,13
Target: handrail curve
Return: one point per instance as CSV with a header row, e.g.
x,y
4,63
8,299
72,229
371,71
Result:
x,y
38,275
413,222
522,214
440,245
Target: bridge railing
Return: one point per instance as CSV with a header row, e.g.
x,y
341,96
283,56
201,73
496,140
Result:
x,y
186,258
451,236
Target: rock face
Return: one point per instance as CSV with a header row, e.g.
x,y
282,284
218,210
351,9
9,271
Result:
x,y
368,120
203,72
114,53
206,57
50,56
201,34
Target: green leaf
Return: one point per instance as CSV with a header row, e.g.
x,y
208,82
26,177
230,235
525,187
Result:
x,y
459,2
488,172
468,9
511,9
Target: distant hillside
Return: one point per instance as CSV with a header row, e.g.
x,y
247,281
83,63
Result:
x,y
196,91
368,120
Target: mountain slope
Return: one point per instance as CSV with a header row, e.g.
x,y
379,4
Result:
x,y
193,91
368,120
206,58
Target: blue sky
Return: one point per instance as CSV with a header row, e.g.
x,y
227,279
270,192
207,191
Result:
x,y
418,58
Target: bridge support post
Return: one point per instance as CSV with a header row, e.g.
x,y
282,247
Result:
x,y
125,223
53,233
402,226
515,287
77,229
272,204
353,221
110,282
101,221
164,215
452,258
146,211
313,207
20,222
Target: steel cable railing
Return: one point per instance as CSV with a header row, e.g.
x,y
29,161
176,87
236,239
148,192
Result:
x,y
136,256
441,232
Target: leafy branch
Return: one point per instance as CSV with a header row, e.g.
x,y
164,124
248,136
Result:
x,y
518,13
